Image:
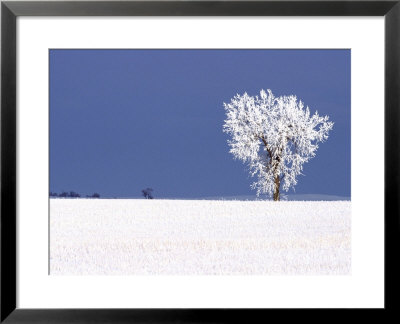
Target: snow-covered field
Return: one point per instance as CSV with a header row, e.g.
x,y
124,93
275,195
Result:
x,y
187,237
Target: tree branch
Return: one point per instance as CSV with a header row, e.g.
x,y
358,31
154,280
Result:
x,y
266,145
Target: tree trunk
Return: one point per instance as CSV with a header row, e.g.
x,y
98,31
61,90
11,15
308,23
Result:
x,y
277,186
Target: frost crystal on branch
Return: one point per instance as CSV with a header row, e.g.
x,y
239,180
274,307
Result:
x,y
274,136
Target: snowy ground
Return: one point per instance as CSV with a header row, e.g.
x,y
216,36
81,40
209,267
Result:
x,y
137,236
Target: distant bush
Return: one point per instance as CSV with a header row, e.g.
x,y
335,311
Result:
x,y
73,194
65,194
95,195
147,193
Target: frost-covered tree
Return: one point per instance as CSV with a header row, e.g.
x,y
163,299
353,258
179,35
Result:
x,y
275,136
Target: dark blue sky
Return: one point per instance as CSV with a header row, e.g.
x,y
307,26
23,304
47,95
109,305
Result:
x,y
124,120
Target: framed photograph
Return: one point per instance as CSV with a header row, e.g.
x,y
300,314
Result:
x,y
198,161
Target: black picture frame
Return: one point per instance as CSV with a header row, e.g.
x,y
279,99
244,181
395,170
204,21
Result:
x,y
11,10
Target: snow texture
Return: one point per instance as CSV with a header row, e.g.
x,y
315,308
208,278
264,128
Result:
x,y
274,136
199,237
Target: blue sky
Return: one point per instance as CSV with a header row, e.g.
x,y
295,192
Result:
x,y
124,120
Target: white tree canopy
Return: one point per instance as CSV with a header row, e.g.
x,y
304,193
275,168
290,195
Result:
x,y
275,136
